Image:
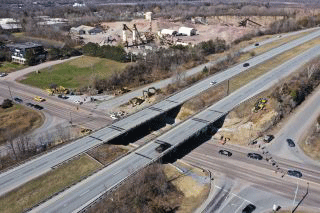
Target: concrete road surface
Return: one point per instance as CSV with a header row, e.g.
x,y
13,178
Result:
x,y
86,191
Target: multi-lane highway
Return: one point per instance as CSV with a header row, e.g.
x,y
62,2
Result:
x,y
20,175
86,191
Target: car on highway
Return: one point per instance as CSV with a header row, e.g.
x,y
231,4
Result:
x,y
246,64
255,156
3,74
256,44
212,82
63,96
163,147
39,99
225,152
295,173
18,100
30,104
38,107
290,142
249,208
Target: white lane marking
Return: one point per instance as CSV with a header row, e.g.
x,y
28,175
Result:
x,y
84,193
240,206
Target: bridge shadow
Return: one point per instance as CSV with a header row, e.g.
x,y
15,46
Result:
x,y
194,142
147,128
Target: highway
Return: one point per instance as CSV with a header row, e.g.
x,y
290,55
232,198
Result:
x,y
20,175
83,193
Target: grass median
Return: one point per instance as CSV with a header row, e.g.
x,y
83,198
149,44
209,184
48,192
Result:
x,y
253,73
76,73
46,185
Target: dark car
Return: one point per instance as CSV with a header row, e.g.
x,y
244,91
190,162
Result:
x,y
163,147
291,143
38,107
295,173
18,100
3,74
246,64
255,156
268,138
249,208
30,104
225,152
256,44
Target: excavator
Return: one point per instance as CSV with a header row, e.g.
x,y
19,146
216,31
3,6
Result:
x,y
244,22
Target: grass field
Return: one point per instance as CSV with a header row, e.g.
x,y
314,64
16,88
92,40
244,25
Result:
x,y
46,185
10,67
75,73
18,119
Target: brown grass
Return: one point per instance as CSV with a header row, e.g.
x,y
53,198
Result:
x,y
46,185
106,153
18,120
311,145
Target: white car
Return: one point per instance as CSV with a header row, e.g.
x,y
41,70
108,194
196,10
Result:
x,y
3,74
212,82
77,102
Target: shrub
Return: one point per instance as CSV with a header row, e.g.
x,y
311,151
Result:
x,y
7,103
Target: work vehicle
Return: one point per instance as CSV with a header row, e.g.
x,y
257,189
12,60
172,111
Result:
x,y
249,208
290,142
39,99
255,156
3,74
18,100
294,173
246,64
225,152
163,147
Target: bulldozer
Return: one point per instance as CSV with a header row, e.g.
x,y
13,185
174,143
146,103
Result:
x,y
260,104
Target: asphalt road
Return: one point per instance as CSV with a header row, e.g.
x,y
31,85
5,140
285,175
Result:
x,y
296,128
83,193
20,175
259,174
117,101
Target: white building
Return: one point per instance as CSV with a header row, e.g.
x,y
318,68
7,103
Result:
x,y
10,24
78,5
148,16
168,32
187,31
81,30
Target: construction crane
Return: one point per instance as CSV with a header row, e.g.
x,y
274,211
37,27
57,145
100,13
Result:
x,y
244,22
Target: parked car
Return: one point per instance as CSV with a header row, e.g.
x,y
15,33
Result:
x,y
63,96
163,147
255,156
39,99
295,173
3,74
225,152
38,107
268,138
249,208
212,82
30,104
290,142
18,100
246,64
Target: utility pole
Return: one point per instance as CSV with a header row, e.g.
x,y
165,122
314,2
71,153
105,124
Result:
x,y
228,87
10,93
70,119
